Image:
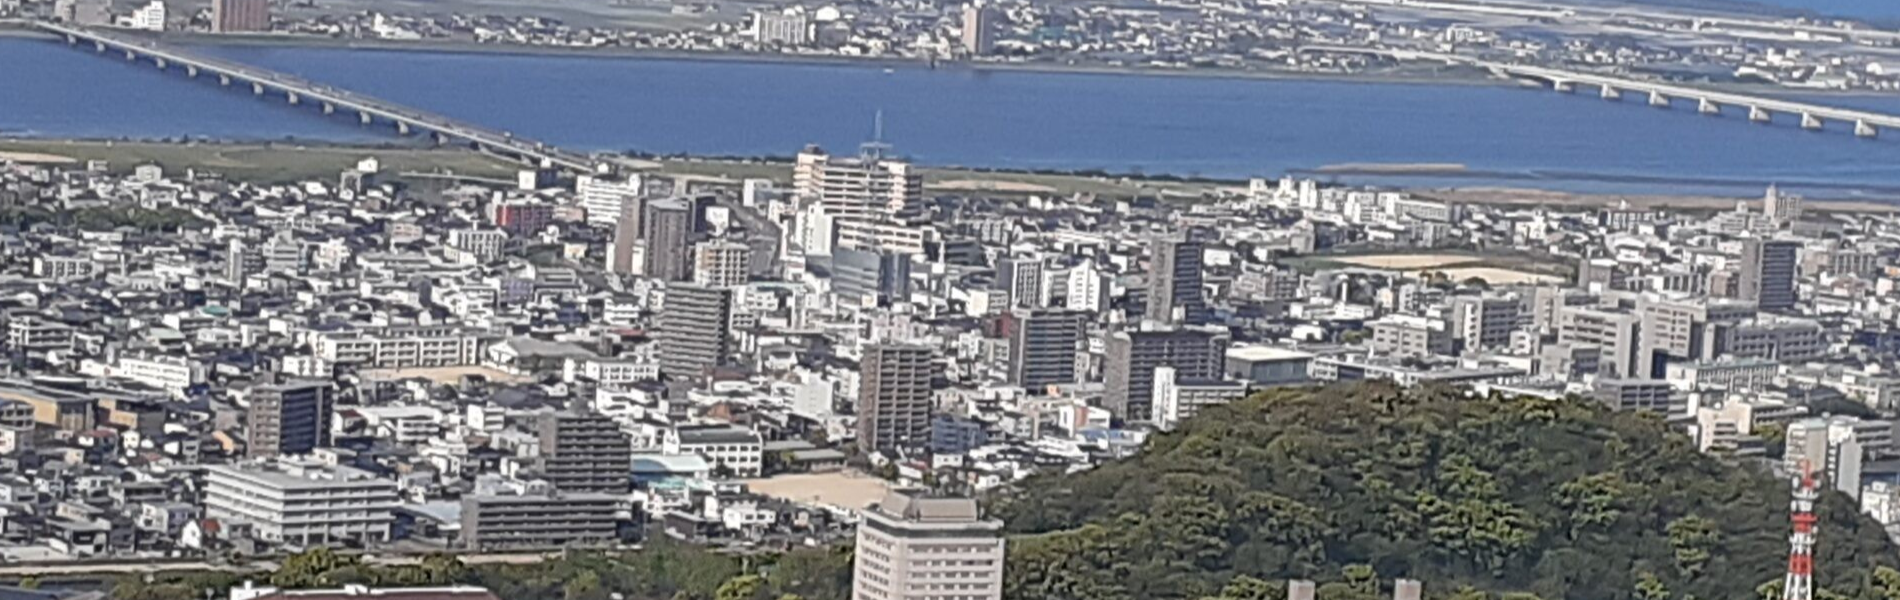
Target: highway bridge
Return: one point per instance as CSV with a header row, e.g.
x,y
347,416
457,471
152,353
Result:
x,y
1761,109
295,90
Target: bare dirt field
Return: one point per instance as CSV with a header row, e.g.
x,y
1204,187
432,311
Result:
x,y
37,158
842,489
1406,262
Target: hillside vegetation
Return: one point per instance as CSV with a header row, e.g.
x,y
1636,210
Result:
x,y
1479,497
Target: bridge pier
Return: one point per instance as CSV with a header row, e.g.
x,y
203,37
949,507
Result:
x,y
257,89
329,109
1562,86
160,62
99,47
1610,93
1759,114
191,71
224,80
72,40
1705,106
363,116
292,96
1864,129
441,139
1810,122
130,55
402,128
1658,100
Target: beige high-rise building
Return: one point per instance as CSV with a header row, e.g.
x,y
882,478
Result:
x,y
1781,209
916,547
978,30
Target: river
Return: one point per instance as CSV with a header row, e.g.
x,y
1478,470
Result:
x,y
1222,127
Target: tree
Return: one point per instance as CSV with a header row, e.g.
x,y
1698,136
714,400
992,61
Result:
x,y
311,568
1693,538
1648,587
743,587
1560,498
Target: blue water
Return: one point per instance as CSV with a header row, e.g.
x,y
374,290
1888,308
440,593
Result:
x,y
1209,127
1860,9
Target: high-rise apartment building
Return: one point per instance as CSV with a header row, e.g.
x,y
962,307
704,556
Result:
x,y
238,16
1195,353
1087,289
894,397
870,202
1768,273
694,330
1042,348
1021,278
915,547
979,30
288,418
606,199
1781,209
721,264
1174,281
584,453
668,230
622,251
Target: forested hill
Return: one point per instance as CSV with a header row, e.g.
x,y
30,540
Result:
x,y
1479,497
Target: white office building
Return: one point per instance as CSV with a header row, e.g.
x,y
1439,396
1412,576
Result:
x,y
915,547
301,502
150,17
176,375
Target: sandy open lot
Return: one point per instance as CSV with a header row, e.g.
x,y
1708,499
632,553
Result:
x,y
843,489
36,158
1405,262
1496,276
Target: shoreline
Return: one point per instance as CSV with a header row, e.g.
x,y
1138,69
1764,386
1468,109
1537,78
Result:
x,y
1448,75
219,155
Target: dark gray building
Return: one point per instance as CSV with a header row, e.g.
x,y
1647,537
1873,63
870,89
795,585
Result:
x,y
1174,281
1042,348
584,453
288,418
540,521
1767,273
863,277
667,227
894,397
694,330
1194,352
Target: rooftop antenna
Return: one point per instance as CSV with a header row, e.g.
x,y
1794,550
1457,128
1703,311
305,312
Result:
x,y
876,148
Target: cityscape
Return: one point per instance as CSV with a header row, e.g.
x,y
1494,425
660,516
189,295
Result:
x,y
465,362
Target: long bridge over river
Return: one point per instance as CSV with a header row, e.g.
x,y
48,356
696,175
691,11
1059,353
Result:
x,y
1761,109
295,90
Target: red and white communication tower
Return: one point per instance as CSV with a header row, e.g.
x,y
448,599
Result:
x,y
1800,582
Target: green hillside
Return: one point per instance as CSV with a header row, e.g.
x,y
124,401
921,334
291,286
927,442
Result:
x,y
1477,496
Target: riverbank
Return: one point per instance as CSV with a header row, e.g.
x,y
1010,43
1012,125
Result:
x,y
280,162
1411,73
